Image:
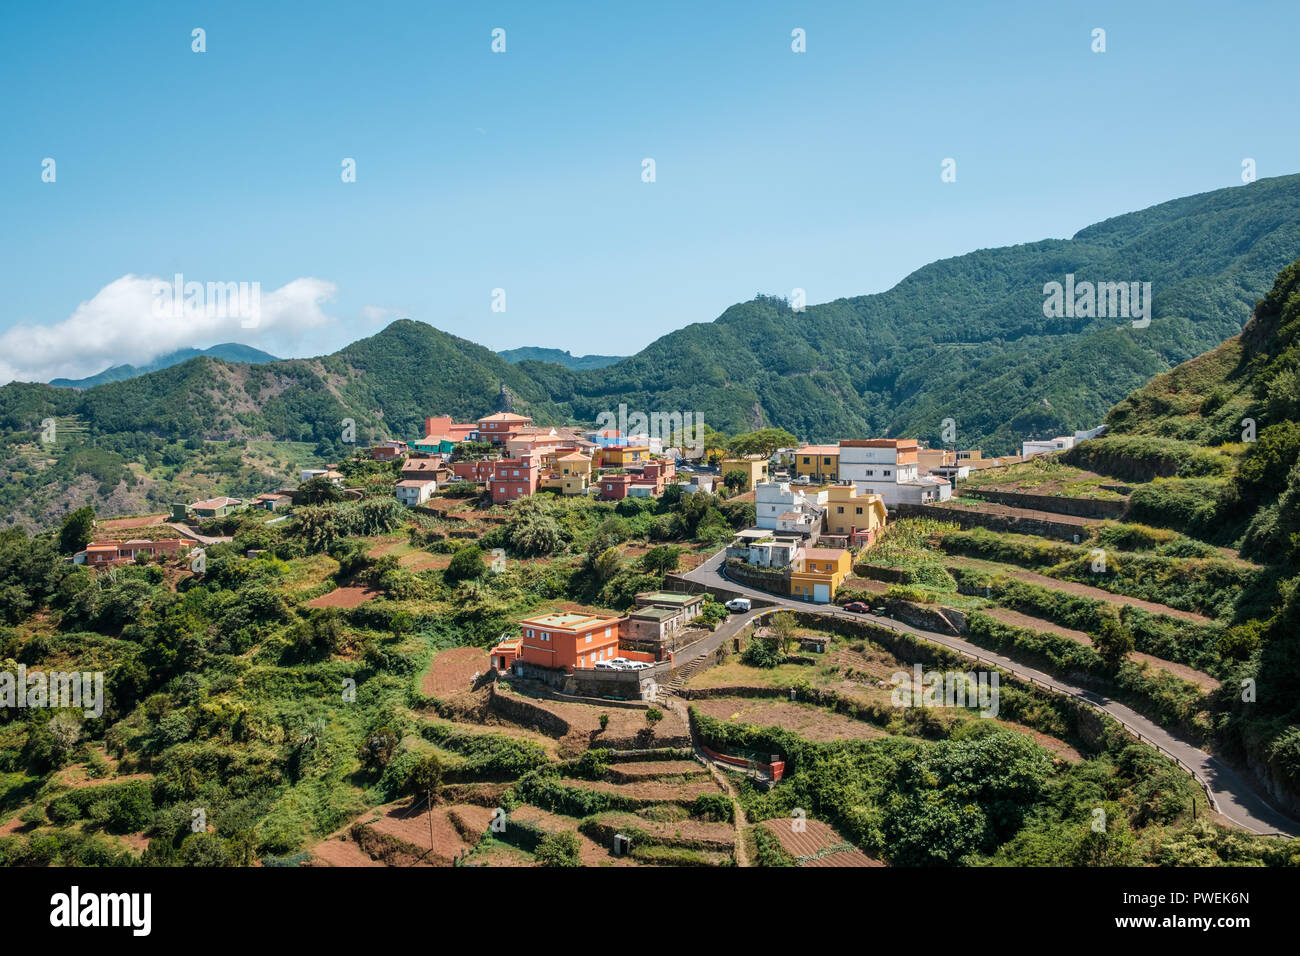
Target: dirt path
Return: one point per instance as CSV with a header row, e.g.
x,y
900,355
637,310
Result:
x,y
741,822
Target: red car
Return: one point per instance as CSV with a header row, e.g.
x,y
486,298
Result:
x,y
857,607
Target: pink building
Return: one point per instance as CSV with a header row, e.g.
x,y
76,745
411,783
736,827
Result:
x,y
513,478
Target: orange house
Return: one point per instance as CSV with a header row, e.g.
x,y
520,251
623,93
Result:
x,y
569,640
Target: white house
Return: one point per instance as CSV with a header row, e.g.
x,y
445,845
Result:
x,y
415,491
763,550
775,500
1046,445
888,467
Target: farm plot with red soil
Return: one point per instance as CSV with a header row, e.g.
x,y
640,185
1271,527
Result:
x,y
689,832
807,720
409,823
649,791
818,845
340,850
624,729
590,853
345,597
451,671
118,524
636,770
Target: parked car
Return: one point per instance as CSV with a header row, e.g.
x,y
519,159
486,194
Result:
x,y
738,605
857,607
803,480
636,665
606,666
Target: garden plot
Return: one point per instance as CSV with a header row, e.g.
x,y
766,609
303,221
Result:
x,y
818,844
452,671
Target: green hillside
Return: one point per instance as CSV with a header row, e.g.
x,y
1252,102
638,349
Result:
x,y
1186,436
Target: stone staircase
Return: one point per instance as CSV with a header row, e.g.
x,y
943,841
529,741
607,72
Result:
x,y
686,673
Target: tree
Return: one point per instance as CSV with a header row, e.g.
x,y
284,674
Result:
x,y
606,564
735,480
558,849
425,778
466,564
1113,641
783,628
653,715
379,747
662,559
763,442
76,531
317,491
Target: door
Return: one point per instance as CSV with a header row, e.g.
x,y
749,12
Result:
x,y
822,593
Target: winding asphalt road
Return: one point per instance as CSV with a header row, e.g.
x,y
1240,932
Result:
x,y
1232,796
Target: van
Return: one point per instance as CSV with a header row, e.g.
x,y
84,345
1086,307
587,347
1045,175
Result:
x,y
738,605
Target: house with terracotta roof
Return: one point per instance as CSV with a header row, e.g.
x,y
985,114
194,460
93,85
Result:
x,y
415,491
432,467
272,501
569,474
569,640
100,553
501,427
513,478
215,507
817,573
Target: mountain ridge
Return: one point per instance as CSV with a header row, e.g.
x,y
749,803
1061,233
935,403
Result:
x,y
227,351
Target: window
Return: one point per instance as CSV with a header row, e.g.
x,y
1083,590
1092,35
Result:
x,y
859,511
887,472
588,638
593,658
807,460
826,461
840,510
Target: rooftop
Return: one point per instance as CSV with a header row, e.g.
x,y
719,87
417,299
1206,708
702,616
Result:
x,y
569,620
669,598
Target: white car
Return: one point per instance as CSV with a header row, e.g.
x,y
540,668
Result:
x,y
620,662
606,666
738,605
636,665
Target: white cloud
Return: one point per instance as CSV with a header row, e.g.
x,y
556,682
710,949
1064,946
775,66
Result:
x,y
122,324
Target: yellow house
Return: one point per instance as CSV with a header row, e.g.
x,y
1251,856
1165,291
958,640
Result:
x,y
849,513
818,462
818,573
572,474
754,467
620,456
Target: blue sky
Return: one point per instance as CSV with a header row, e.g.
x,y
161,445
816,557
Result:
x,y
522,170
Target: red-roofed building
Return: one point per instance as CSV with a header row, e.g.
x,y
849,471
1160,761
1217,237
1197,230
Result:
x,y
501,427
99,553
